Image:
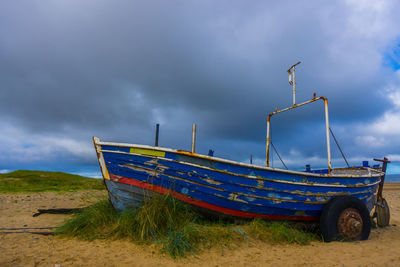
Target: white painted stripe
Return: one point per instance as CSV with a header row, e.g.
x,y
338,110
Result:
x,y
378,174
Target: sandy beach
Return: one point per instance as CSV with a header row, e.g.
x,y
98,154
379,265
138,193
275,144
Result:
x,y
24,249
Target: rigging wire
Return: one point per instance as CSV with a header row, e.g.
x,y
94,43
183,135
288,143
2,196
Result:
x,y
334,138
278,155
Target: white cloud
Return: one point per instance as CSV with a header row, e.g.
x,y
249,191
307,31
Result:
x,y
394,157
19,146
375,14
371,141
389,123
383,132
393,92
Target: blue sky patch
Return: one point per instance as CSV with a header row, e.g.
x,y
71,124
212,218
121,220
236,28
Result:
x,y
392,59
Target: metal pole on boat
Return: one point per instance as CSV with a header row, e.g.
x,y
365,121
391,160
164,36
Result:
x,y
294,87
157,133
315,98
193,137
328,145
267,153
293,81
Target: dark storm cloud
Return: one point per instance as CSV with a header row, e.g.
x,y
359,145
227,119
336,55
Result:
x,y
74,69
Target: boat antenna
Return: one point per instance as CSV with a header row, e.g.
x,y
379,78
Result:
x,y
292,80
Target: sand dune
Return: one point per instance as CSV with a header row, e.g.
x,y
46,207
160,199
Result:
x,y
16,210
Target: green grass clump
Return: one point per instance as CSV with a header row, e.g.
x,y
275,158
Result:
x,y
160,215
96,221
279,232
175,227
162,219
40,181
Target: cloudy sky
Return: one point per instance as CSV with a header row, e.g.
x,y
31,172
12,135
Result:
x,y
70,70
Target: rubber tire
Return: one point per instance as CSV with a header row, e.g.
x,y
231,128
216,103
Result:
x,y
330,216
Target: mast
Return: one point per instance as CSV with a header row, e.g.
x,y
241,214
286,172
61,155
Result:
x,y
292,81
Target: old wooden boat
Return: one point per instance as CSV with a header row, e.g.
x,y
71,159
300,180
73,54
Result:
x,y
340,198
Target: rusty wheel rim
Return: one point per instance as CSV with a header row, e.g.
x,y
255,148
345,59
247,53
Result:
x,y
350,224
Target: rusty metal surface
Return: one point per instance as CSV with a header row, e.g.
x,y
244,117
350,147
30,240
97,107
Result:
x,y
292,81
350,224
193,138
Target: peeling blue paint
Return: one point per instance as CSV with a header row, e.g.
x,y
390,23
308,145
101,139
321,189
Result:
x,y
234,186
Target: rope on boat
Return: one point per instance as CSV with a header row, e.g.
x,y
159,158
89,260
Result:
x,y
334,138
278,155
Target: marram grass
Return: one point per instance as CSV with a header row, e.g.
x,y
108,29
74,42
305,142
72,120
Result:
x,y
25,181
279,232
175,227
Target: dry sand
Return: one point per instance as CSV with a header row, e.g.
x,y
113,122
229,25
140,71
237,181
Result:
x,y
16,210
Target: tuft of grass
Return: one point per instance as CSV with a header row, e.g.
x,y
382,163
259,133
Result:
x,y
95,222
175,227
162,220
39,181
279,232
208,234
179,242
161,215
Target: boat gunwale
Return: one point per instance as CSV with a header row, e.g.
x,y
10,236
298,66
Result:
x,y
187,153
249,176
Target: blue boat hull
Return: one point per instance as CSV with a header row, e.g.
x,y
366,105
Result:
x,y
132,172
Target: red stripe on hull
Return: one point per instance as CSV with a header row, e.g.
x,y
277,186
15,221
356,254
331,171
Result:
x,y
204,204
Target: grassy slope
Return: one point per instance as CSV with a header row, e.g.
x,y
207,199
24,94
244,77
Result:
x,y
39,181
